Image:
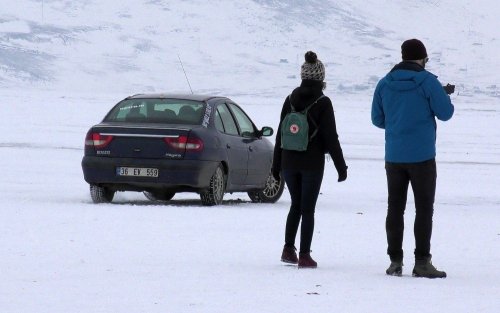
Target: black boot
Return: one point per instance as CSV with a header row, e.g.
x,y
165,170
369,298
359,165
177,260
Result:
x,y
424,268
395,269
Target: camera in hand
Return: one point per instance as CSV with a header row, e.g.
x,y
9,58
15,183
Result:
x,y
449,89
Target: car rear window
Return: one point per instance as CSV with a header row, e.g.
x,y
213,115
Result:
x,y
167,111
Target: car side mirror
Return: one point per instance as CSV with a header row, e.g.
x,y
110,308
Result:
x,y
266,131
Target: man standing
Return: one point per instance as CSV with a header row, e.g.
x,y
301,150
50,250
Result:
x,y
405,104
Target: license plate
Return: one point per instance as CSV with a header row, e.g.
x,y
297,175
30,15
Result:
x,y
137,171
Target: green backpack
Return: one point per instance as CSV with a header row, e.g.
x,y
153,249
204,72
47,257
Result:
x,y
295,128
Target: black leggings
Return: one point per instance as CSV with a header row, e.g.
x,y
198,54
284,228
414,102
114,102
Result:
x,y
304,189
422,177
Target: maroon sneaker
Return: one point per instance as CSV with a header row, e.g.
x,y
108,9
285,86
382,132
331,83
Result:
x,y
305,261
289,255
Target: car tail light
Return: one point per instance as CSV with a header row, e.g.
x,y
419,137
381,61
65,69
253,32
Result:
x,y
185,143
97,140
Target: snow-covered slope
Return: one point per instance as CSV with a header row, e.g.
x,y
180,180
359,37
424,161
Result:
x,y
240,46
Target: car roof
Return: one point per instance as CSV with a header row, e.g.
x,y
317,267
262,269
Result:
x,y
194,97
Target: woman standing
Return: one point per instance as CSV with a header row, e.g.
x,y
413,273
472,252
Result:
x,y
303,170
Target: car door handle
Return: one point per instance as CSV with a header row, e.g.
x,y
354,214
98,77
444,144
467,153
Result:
x,y
250,148
228,146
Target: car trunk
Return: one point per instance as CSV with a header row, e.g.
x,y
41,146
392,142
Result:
x,y
140,141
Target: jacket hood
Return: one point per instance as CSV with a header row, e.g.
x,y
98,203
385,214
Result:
x,y
402,80
406,75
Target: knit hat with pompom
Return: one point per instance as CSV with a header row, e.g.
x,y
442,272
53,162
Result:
x,y
312,67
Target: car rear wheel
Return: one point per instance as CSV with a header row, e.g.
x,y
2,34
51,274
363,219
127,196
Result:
x,y
271,193
159,195
215,192
101,194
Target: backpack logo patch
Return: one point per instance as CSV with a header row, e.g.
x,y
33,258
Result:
x,y
294,128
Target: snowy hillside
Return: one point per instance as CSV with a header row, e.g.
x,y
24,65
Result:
x,y
64,63
240,46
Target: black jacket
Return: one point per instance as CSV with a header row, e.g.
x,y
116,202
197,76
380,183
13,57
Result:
x,y
326,139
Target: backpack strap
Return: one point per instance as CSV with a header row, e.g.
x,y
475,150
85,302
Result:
x,y
316,128
310,106
291,105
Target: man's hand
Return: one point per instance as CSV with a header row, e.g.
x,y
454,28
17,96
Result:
x,y
449,89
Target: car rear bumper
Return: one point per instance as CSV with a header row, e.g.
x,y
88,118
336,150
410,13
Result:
x,y
173,174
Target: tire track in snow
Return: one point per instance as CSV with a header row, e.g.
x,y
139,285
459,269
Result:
x,y
25,145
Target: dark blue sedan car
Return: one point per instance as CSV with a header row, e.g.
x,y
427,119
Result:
x,y
162,144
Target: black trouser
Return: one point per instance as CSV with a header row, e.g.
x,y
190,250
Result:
x,y
304,189
422,177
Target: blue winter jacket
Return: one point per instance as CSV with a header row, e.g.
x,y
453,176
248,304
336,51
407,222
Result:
x,y
405,104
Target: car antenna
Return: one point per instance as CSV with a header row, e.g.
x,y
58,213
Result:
x,y
185,74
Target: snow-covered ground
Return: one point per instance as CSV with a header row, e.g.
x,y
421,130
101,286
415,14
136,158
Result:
x,y
63,64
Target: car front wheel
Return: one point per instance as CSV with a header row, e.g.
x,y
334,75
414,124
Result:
x,y
101,194
271,193
215,192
